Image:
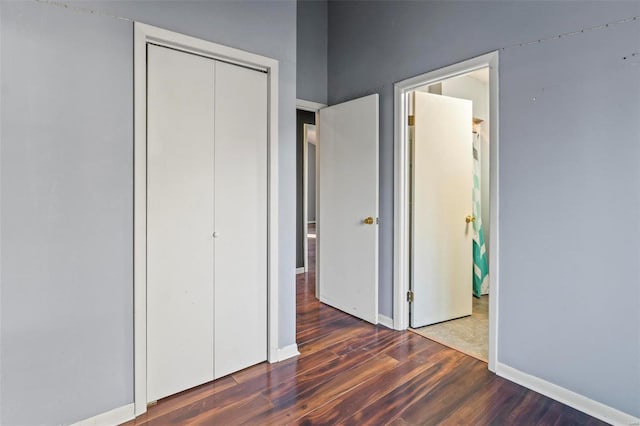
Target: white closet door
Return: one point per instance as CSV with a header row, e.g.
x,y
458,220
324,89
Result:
x,y
180,156
240,218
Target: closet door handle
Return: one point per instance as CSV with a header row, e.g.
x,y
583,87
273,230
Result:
x,y
216,234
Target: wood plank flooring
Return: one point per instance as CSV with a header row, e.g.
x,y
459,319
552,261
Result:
x,y
353,373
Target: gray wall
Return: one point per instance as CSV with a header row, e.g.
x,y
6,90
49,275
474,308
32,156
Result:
x,y
66,215
312,50
569,169
66,163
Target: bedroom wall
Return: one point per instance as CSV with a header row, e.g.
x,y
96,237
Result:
x,y
66,191
569,168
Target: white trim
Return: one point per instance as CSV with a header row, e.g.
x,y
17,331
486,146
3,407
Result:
x,y
572,399
144,34
288,352
113,417
401,238
309,105
311,221
301,270
385,320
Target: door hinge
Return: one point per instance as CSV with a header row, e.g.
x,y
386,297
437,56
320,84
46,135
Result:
x,y
412,120
410,296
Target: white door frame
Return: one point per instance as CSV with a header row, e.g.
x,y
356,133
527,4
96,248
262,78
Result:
x,y
144,34
401,239
310,106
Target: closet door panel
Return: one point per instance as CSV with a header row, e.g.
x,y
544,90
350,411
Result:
x,y
180,209
240,218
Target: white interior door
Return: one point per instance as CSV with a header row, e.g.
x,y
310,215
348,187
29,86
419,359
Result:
x,y
347,196
240,218
441,263
180,208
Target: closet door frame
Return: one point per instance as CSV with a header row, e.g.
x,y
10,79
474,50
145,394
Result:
x,y
143,35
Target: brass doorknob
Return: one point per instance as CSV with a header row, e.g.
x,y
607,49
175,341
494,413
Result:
x,y
469,219
369,220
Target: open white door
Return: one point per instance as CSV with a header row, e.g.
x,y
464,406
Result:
x,y
441,237
347,215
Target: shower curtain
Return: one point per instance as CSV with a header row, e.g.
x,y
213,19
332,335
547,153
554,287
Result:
x,y
480,264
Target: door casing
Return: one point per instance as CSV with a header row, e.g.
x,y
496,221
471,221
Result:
x,y
311,107
402,187
144,34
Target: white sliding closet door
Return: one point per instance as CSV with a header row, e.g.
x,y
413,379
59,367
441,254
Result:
x,y
240,218
180,208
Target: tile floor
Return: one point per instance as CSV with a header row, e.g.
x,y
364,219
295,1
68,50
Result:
x,y
469,335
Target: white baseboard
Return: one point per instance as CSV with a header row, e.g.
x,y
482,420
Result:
x,y
385,320
288,352
565,396
114,417
300,270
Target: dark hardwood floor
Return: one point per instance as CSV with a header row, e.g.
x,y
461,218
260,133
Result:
x,y
353,373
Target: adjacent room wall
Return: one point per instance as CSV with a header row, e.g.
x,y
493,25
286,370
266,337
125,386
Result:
x,y
66,191
569,169
312,50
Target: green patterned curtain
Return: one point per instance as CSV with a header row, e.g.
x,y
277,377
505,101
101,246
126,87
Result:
x,y
480,264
